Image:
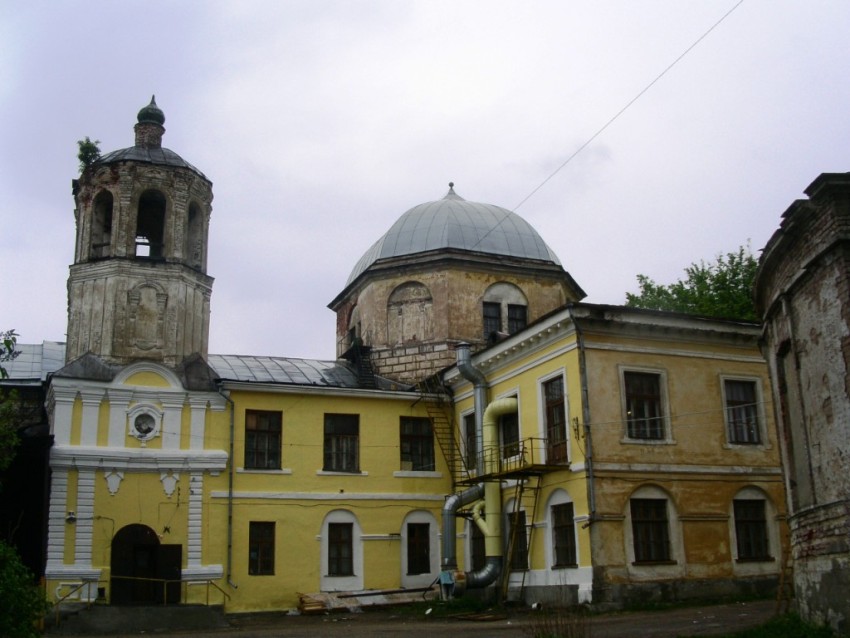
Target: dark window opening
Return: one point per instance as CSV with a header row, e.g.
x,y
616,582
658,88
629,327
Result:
x,y
471,442
417,444
555,415
150,225
517,531
492,318
260,549
262,440
650,530
340,549
478,547
564,535
194,237
742,413
517,318
643,405
751,530
341,448
418,548
509,432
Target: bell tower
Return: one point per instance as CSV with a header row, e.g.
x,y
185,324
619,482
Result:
x,y
138,288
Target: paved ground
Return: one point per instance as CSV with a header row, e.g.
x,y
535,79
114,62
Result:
x,y
693,621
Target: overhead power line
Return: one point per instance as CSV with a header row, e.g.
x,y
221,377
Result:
x,y
616,115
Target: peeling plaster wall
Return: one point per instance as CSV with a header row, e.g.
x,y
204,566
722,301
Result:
x,y
803,291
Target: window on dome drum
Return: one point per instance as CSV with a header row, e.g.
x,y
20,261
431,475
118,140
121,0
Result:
x,y
260,549
751,530
418,548
417,444
509,434
644,415
555,416
340,549
150,225
517,318
742,414
650,530
478,547
471,441
342,442
492,318
262,440
519,553
563,535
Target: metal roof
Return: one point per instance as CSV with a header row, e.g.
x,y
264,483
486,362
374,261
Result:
x,y
255,369
35,361
454,223
162,156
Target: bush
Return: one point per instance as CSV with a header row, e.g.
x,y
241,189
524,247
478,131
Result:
x,y
23,604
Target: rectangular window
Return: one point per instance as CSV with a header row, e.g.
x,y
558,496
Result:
x,y
555,415
564,535
509,433
417,444
643,405
751,529
650,530
262,440
340,549
492,318
342,434
517,318
471,442
742,414
519,553
260,549
418,548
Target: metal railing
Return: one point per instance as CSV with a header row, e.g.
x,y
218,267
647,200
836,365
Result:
x,y
533,452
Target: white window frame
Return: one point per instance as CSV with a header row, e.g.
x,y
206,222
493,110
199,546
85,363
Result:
x,y
424,579
771,517
676,566
342,583
560,497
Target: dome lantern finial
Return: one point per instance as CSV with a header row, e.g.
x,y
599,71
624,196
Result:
x,y
149,127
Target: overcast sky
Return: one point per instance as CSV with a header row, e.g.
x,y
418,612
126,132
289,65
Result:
x,y
320,123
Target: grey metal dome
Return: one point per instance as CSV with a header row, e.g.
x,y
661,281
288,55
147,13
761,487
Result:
x,y
454,223
162,155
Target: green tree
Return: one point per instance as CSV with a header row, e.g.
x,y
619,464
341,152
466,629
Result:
x,y
89,152
23,602
722,288
9,403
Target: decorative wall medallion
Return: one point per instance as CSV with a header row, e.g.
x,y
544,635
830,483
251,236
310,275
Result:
x,y
169,482
145,422
113,480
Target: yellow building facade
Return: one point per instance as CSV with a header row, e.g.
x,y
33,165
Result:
x,y
482,429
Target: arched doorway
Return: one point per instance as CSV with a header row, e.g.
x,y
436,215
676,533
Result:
x,y
140,567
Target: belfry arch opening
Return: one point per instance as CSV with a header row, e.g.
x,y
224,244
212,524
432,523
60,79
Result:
x,y
194,251
150,225
101,225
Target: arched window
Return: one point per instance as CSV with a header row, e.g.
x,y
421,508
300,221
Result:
x,y
652,531
150,225
562,549
516,525
504,309
754,533
101,226
409,313
194,253
420,549
342,552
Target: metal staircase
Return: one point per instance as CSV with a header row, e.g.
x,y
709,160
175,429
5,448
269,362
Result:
x,y
438,405
526,493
